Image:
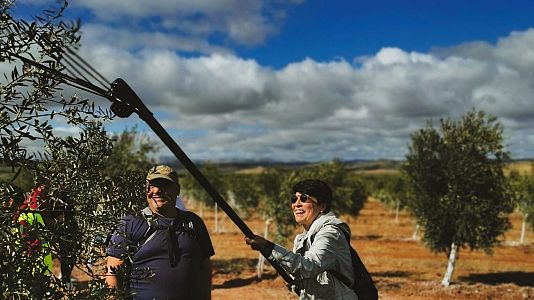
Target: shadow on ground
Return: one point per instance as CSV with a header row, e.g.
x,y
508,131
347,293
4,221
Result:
x,y
518,278
236,266
233,266
369,237
239,282
391,274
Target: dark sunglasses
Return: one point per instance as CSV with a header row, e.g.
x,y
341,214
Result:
x,y
159,183
303,198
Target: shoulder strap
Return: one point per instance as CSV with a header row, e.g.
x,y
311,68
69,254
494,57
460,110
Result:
x,y
152,227
184,224
346,281
336,274
363,283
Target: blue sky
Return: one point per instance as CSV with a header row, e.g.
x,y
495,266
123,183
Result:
x,y
325,30
313,80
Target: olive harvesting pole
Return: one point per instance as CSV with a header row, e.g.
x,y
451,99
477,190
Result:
x,y
125,102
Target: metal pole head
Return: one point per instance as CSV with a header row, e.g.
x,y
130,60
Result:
x,y
126,101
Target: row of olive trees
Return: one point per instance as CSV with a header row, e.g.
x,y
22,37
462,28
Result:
x,y
393,191
453,183
522,190
267,193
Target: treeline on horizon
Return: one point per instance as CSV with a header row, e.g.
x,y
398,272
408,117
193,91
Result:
x,y
390,165
25,179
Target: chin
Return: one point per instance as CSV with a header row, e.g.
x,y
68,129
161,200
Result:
x,y
299,221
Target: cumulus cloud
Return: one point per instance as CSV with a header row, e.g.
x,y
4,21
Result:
x,y
134,39
245,22
224,107
218,105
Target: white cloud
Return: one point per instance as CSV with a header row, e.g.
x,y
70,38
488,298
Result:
x,y
517,51
66,131
221,106
247,22
135,39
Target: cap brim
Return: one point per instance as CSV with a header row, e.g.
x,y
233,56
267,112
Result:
x,y
159,176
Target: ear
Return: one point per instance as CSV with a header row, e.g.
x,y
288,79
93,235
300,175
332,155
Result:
x,y
321,206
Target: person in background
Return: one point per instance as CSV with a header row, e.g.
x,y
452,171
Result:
x,y
320,251
169,248
32,224
63,223
36,199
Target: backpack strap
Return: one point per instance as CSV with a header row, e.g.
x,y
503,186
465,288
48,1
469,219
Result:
x,y
363,283
152,227
346,281
182,223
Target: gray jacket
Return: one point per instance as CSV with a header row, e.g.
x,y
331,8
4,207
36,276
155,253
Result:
x,y
329,251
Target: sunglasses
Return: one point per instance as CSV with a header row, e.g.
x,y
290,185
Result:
x,y
303,198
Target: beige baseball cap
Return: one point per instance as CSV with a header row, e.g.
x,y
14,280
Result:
x,y
162,171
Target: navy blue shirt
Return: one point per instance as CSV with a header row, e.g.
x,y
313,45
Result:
x,y
153,276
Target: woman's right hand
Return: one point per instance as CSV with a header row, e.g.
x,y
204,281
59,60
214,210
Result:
x,y
258,243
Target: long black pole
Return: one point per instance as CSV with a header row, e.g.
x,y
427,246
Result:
x,y
123,92
86,85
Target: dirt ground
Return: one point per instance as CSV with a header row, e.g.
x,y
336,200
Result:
x,y
402,267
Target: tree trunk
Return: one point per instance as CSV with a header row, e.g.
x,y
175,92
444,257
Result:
x,y
261,259
450,265
523,229
221,223
414,235
216,207
397,208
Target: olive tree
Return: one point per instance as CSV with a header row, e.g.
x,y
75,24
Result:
x,y
275,185
394,193
32,107
131,152
243,191
349,190
459,192
84,204
197,193
522,189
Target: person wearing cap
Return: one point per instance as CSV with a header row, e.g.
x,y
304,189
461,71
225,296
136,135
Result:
x,y
320,251
169,248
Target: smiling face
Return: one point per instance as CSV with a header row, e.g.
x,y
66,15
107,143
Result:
x,y
161,196
306,211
